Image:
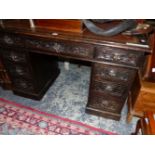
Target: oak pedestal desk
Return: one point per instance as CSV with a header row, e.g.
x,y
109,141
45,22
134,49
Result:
x,y
29,57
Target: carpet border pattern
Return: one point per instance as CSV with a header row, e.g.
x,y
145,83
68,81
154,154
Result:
x,y
38,122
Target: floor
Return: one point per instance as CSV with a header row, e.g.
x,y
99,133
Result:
x,y
67,97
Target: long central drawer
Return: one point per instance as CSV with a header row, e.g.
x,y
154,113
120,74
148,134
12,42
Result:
x,y
65,48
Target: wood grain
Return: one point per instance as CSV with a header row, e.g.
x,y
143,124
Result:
x,y
60,24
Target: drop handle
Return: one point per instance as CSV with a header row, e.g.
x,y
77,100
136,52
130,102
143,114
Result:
x,y
57,47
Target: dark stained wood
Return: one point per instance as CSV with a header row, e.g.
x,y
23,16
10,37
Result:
x,y
117,67
119,41
31,74
109,89
5,81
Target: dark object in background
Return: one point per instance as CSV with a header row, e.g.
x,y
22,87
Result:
x,y
121,27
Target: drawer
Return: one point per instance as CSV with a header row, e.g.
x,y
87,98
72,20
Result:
x,y
18,70
82,50
10,39
14,55
111,88
120,56
23,84
74,49
113,73
105,103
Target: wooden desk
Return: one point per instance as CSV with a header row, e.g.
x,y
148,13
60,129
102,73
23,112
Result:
x,y
115,64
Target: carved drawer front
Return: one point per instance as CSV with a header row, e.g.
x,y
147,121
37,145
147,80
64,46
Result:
x,y
10,39
82,50
111,88
121,56
14,56
105,103
18,70
22,84
39,44
113,73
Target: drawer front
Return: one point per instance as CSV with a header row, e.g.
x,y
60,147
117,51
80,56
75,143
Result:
x,y
10,39
18,70
23,84
111,88
14,55
105,103
72,49
113,73
120,56
82,50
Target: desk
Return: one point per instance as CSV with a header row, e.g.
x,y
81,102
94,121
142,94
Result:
x,y
30,59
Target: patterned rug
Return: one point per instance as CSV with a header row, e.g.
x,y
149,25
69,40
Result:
x,y
18,119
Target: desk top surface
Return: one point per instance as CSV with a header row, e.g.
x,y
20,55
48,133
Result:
x,y
130,42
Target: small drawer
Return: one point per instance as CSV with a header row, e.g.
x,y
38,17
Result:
x,y
40,44
121,56
10,39
113,73
111,88
105,103
37,43
14,56
23,84
18,70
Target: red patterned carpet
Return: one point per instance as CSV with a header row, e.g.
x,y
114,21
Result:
x,y
18,119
